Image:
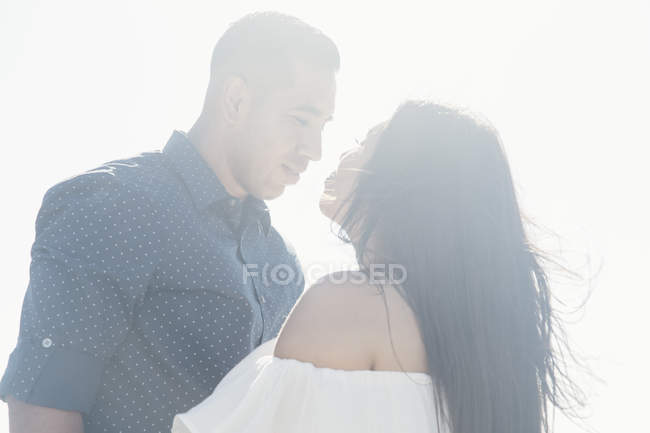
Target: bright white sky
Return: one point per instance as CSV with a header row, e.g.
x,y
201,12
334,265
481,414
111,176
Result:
x,y
565,82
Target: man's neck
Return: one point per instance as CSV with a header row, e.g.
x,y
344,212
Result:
x,y
209,143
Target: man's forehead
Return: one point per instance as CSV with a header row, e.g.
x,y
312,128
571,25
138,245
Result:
x,y
315,97
313,91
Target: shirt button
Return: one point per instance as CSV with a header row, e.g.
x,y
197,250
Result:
x,y
46,343
263,299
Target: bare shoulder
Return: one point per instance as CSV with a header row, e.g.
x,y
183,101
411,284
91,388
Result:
x,y
332,324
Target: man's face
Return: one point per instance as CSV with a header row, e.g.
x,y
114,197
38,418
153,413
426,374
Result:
x,y
282,132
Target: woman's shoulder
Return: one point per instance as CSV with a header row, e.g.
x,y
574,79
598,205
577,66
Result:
x,y
331,324
341,322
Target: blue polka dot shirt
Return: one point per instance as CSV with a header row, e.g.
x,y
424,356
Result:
x,y
148,283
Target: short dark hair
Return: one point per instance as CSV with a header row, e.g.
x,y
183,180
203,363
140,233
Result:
x,y
263,43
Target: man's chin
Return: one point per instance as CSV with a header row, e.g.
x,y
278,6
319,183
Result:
x,y
271,191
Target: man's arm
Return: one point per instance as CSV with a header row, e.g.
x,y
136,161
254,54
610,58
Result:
x,y
27,418
89,269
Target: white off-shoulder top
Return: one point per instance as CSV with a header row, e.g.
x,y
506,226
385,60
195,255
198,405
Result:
x,y
267,394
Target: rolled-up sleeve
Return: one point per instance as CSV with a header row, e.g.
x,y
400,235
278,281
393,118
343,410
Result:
x,y
91,262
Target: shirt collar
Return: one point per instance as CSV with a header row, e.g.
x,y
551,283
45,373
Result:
x,y
256,209
203,184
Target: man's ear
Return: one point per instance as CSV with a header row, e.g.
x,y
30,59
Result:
x,y
236,99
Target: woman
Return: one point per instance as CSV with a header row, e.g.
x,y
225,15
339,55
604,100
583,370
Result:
x,y
458,339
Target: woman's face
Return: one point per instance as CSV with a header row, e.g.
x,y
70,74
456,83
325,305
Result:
x,y
341,182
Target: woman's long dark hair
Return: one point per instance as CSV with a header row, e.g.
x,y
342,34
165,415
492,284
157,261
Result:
x,y
437,198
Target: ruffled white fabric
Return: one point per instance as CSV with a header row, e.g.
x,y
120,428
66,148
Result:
x,y
266,394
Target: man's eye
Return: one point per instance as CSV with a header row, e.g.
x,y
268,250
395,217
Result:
x,y
299,120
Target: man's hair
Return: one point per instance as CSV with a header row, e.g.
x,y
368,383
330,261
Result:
x,y
264,45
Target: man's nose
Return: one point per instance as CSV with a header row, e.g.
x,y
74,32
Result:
x,y
312,147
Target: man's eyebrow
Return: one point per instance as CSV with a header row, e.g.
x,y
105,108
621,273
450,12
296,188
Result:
x,y
311,110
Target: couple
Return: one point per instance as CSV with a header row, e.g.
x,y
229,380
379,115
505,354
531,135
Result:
x,y
137,318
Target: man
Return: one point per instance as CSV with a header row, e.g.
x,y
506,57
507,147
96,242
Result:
x,y
151,277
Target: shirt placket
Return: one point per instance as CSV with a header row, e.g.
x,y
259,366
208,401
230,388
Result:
x,y
251,248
